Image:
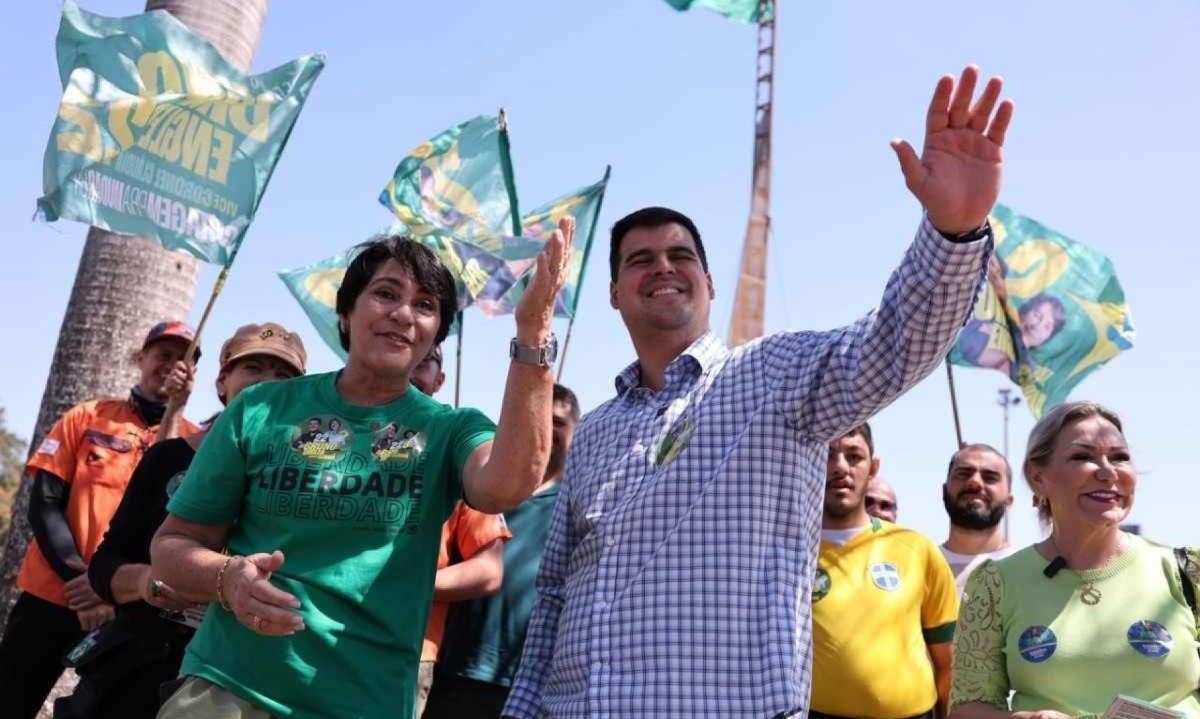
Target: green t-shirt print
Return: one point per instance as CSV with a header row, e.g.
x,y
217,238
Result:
x,y
355,497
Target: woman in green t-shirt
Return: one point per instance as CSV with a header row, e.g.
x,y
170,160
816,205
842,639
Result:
x,y
319,607
1089,614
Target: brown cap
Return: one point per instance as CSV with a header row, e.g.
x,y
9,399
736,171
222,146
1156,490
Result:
x,y
265,339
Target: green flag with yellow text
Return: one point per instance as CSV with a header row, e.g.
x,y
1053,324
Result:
x,y
1050,313
158,135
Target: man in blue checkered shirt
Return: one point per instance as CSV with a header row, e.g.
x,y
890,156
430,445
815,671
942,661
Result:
x,y
677,573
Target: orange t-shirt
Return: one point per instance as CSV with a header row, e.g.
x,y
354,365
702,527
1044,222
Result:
x,y
469,531
94,448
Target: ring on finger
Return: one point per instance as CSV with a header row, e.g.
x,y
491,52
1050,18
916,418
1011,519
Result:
x,y
156,588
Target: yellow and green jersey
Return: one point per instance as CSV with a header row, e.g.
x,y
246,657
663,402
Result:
x,y
878,600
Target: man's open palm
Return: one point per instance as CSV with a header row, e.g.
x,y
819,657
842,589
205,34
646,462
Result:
x,y
957,177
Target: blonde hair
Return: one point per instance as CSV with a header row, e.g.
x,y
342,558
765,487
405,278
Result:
x,y
1044,435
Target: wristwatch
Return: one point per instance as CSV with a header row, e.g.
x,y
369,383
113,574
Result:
x,y
537,355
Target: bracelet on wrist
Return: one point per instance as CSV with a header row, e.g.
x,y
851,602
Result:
x,y
221,583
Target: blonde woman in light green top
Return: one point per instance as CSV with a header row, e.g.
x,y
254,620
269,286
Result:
x,y
1091,612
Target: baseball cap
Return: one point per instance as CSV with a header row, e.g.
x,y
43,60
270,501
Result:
x,y
265,339
171,330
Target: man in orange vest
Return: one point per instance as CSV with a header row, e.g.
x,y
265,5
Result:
x,y
79,476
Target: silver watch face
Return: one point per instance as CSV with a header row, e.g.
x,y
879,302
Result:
x,y
541,356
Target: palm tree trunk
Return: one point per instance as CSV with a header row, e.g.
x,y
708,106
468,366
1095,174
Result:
x,y
123,286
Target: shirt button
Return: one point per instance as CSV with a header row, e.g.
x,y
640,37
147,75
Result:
x,y
610,541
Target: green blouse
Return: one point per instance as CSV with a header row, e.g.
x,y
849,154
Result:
x,y
1073,642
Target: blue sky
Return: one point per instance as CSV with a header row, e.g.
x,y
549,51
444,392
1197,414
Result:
x,y
1102,148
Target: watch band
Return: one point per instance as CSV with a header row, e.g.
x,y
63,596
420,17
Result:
x,y
979,233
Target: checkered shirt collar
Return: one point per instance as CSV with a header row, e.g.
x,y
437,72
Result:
x,y
705,353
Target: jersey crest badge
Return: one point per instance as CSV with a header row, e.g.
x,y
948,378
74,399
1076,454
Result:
x,y
885,576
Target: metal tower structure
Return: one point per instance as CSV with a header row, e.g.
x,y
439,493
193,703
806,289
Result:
x,y
749,303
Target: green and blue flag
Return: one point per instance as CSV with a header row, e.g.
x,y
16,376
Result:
x,y
1051,312
536,227
458,183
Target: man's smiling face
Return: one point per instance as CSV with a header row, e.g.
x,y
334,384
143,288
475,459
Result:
x,y
661,284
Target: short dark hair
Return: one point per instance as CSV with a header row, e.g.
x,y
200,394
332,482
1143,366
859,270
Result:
x,y
567,397
651,217
863,430
980,447
421,262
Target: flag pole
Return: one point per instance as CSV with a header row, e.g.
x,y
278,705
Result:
x,y
954,404
587,251
510,181
562,358
168,429
458,358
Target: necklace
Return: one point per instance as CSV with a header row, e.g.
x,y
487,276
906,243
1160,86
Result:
x,y
1089,593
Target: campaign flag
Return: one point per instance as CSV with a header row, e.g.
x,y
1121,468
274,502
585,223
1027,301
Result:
x,y
742,10
158,135
582,204
458,183
1050,313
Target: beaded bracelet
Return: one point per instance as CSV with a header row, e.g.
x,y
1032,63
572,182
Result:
x,y
221,583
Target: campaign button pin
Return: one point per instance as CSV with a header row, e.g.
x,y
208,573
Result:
x,y
1037,644
1150,639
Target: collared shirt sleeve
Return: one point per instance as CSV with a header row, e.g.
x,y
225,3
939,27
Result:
x,y
525,699
939,609
980,673
858,370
